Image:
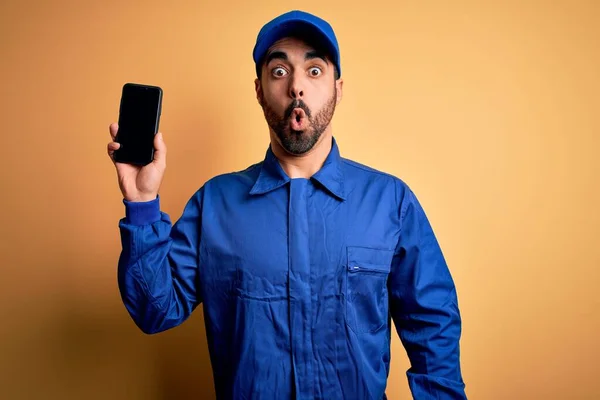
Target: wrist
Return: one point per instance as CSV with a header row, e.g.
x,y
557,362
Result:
x,y
140,198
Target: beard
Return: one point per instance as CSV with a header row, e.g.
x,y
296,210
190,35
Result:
x,y
299,142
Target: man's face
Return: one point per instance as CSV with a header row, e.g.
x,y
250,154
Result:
x,y
298,93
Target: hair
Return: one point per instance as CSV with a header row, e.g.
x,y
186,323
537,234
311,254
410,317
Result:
x,y
312,40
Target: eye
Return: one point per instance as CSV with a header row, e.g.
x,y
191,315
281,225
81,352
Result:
x,y
279,72
314,71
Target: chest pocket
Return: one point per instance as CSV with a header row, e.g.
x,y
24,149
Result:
x,y
367,271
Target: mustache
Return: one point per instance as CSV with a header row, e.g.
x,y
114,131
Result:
x,y
296,104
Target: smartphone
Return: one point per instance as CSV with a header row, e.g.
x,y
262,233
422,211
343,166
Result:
x,y
139,118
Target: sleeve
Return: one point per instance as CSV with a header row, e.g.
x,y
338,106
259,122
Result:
x,y
158,266
424,307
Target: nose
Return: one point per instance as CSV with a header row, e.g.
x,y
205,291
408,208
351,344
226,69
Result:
x,y
296,87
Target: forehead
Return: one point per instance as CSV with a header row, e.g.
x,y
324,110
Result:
x,y
296,50
291,45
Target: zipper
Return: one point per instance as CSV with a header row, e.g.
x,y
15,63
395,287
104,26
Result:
x,y
381,269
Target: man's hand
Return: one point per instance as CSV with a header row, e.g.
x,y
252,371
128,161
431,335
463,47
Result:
x,y
139,183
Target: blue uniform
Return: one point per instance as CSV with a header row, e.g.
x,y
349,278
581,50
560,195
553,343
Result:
x,y
301,282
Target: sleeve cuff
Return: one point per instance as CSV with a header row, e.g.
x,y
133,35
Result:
x,y
142,213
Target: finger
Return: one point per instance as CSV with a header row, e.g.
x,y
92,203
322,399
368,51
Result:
x,y
113,128
111,147
160,149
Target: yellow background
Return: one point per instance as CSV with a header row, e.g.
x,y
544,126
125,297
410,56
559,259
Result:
x,y
488,109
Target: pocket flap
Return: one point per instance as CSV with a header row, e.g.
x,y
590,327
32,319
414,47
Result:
x,y
369,259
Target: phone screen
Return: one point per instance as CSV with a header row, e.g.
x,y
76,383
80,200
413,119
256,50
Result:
x,y
138,123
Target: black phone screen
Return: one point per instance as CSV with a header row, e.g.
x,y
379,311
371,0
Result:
x,y
139,116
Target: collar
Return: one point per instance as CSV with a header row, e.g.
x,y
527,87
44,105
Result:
x,y
330,176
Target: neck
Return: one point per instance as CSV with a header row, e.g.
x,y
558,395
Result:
x,y
305,165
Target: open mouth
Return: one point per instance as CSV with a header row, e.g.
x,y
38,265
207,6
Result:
x,y
298,120
298,114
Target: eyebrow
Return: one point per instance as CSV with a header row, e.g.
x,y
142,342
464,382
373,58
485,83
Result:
x,y
280,55
276,55
315,54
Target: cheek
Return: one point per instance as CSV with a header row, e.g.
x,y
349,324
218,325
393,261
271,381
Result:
x,y
319,100
274,98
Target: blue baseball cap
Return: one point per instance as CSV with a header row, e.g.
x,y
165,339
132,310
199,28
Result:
x,y
296,22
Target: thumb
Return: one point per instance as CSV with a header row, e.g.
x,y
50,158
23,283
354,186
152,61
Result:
x,y
160,149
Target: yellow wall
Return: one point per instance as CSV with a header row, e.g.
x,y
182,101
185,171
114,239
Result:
x,y
489,110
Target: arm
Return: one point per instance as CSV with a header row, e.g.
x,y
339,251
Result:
x,y
424,307
158,266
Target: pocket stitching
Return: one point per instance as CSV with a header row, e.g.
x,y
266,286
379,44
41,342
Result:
x,y
378,268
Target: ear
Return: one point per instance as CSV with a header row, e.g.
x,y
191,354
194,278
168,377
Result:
x,y
258,89
339,85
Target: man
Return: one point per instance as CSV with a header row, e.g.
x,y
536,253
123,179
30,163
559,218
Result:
x,y
301,261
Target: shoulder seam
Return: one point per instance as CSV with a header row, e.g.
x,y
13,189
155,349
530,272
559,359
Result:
x,y
237,172
372,170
